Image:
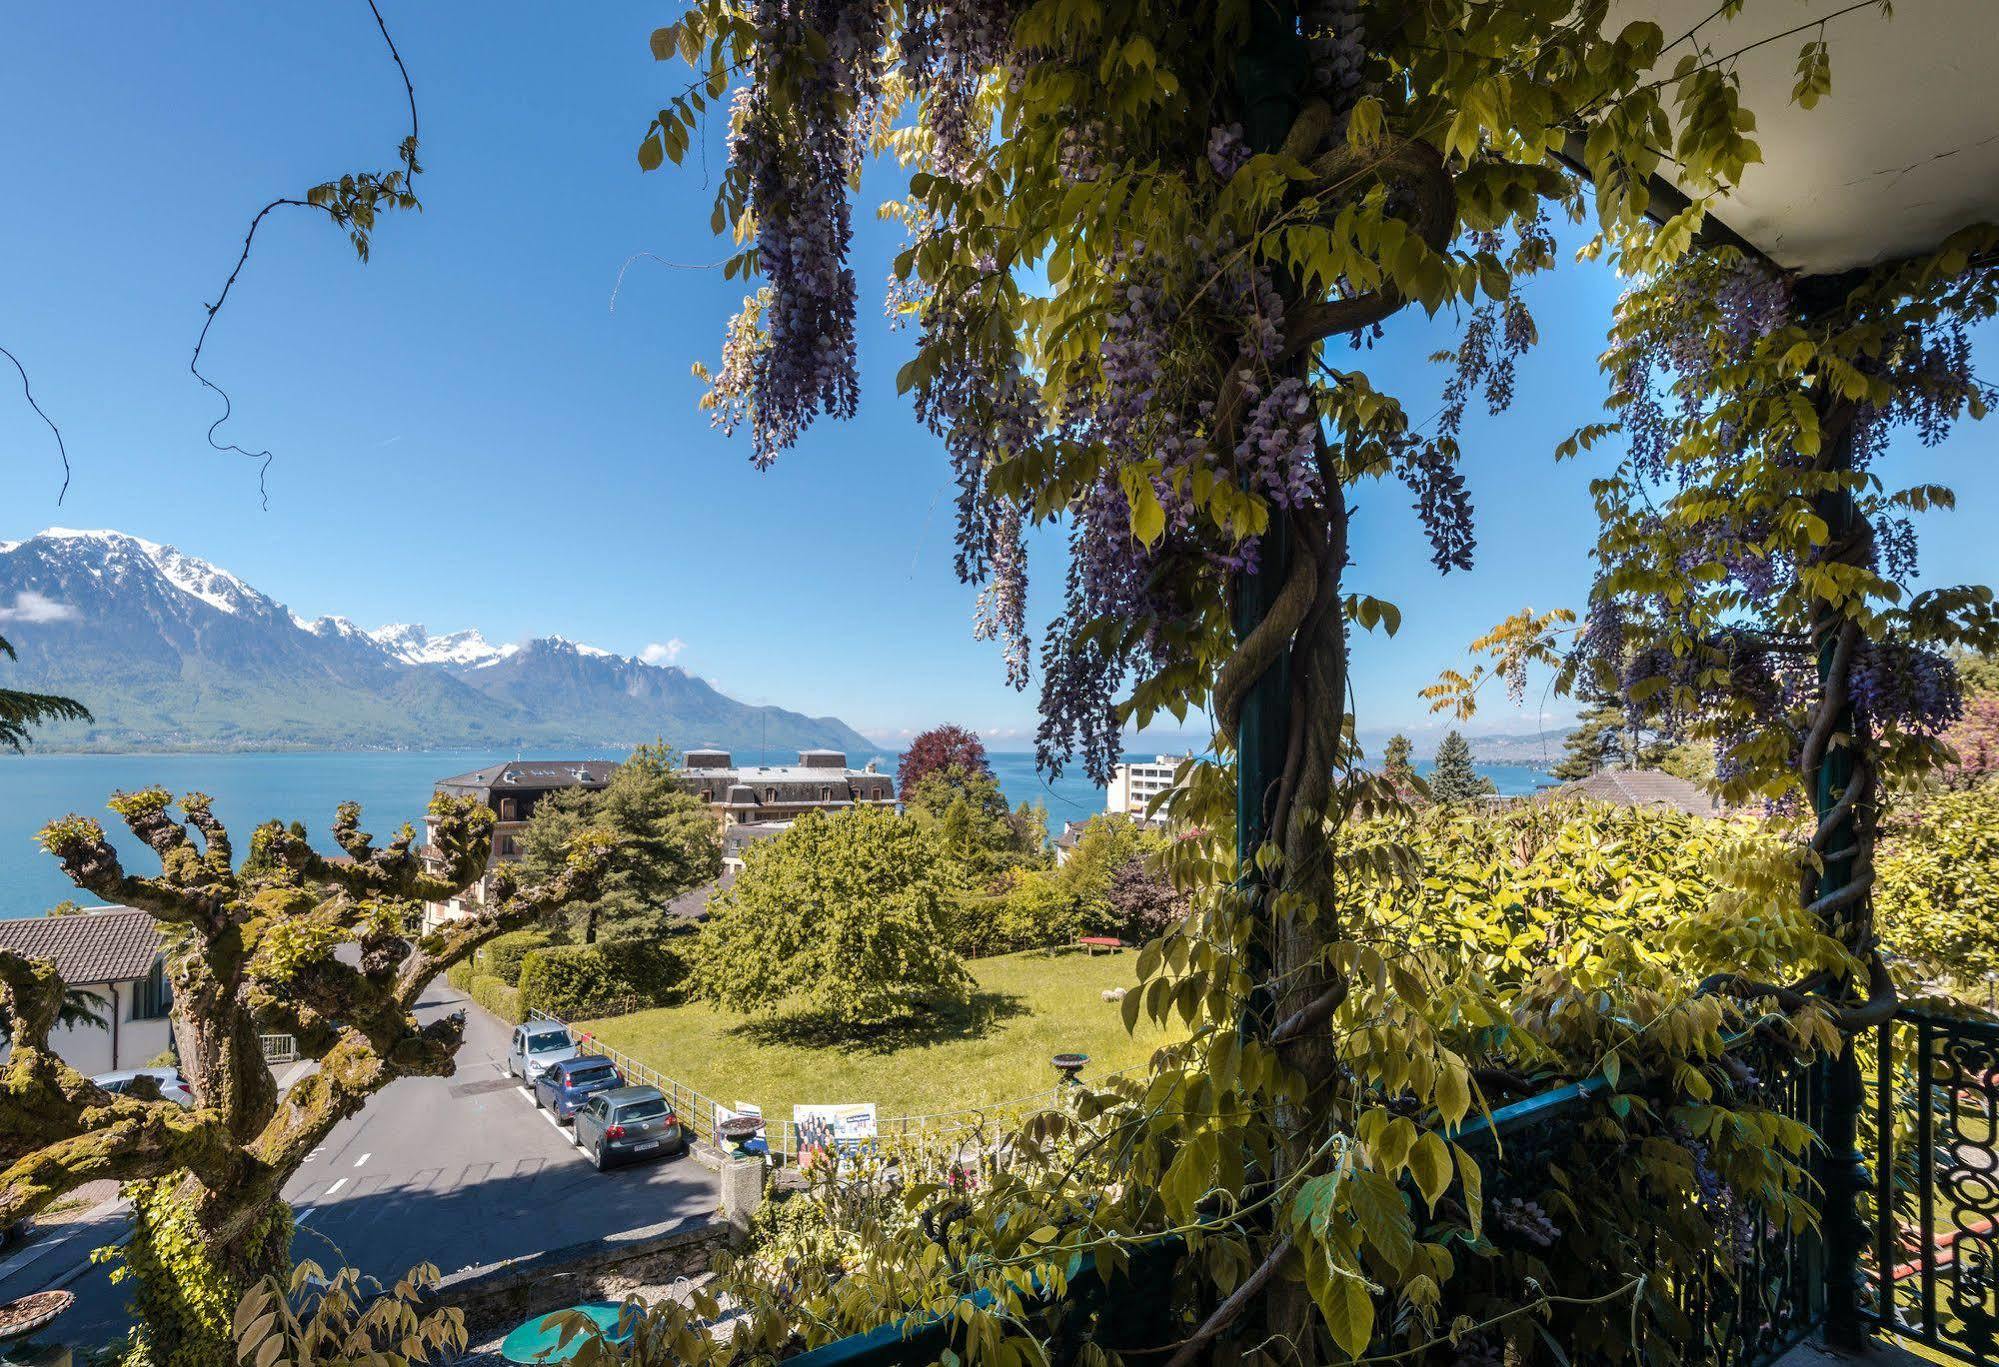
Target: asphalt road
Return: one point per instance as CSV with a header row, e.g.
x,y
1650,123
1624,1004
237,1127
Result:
x,y
461,1172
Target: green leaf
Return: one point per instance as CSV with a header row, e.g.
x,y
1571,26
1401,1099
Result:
x,y
1383,1215
1349,1312
1430,1165
652,152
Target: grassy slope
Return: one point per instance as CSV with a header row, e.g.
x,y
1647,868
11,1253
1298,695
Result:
x,y
1027,1007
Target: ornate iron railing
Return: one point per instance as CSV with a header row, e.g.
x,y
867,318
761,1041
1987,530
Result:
x,y
1934,1269
1760,1293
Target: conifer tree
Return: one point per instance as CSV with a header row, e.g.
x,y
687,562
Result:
x,y
1454,780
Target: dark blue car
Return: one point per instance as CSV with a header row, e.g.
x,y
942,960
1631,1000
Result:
x,y
563,1087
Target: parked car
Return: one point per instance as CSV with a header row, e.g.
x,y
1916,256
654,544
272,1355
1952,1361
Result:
x,y
535,1046
564,1087
172,1085
628,1122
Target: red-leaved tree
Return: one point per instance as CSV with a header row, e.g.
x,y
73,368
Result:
x,y
1975,738
938,749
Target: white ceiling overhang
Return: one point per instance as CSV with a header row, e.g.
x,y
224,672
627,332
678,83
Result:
x,y
1902,153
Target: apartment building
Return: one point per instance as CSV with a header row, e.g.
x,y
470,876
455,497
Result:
x,y
512,790
1134,785
753,794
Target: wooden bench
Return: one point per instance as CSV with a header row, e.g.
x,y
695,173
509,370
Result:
x,y
1093,943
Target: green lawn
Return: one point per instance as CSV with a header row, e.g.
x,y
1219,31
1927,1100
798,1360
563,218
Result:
x,y
1026,1007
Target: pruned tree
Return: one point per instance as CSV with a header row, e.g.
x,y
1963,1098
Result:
x,y
252,949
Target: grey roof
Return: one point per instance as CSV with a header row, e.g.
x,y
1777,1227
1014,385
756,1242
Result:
x,y
1642,788
535,773
763,775
744,833
109,945
692,905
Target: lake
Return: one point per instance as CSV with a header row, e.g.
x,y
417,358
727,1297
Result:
x,y
393,787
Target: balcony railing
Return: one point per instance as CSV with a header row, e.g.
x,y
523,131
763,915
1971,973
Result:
x,y
1931,1130
1757,1293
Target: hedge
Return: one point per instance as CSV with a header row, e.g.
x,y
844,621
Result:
x,y
502,1000
570,981
459,975
501,956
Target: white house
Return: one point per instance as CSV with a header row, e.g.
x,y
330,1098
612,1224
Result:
x,y
114,953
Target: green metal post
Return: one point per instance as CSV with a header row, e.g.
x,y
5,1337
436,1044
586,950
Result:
x,y
1271,71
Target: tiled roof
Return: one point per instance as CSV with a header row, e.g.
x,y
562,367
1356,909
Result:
x,y
112,945
1642,788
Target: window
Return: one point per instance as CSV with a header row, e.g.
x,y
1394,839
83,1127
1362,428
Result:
x,y
151,995
650,1109
826,793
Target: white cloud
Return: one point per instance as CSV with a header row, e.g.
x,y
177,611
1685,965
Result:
x,y
31,608
663,652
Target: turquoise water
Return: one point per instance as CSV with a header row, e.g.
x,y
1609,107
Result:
x,y
392,788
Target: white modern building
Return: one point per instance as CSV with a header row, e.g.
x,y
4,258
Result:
x,y
1133,786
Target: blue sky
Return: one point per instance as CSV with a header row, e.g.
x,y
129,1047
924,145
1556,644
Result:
x,y
468,435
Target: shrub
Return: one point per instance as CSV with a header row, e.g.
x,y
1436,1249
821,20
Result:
x,y
569,981
459,975
1938,897
500,998
501,956
1032,911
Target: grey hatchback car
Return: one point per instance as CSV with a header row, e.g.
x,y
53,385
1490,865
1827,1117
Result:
x,y
628,1122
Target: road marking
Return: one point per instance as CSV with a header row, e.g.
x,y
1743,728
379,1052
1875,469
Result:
x,y
335,1187
314,1154
303,1216
362,1159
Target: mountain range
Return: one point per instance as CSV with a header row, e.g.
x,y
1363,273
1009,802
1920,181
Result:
x,y
170,652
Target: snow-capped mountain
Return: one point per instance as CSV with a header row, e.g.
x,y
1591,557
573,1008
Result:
x,y
170,651
466,649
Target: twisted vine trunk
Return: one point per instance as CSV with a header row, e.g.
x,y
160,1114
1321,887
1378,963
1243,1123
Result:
x,y
1280,699
1837,764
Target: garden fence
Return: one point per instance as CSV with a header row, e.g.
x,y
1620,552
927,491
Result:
x,y
696,1111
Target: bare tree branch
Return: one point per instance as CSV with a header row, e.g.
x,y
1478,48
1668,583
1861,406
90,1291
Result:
x,y
29,395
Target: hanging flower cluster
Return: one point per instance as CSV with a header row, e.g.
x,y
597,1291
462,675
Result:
x,y
1734,526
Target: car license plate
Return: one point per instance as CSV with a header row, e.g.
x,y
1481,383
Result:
x,y
646,1147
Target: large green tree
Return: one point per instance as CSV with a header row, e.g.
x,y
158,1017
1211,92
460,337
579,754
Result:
x,y
978,832
662,841
253,948
846,915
